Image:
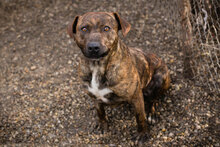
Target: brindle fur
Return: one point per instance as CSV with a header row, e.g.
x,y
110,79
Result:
x,y
130,73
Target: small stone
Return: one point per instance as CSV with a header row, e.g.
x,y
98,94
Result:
x,y
26,70
51,14
169,101
69,62
171,134
165,138
21,93
171,72
15,58
33,67
198,127
146,17
171,60
132,143
147,42
180,70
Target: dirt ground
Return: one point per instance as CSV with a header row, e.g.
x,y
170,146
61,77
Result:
x,y
41,101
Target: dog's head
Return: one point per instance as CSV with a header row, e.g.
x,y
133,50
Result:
x,y
96,33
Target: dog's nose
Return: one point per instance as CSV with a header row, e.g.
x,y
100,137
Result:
x,y
93,47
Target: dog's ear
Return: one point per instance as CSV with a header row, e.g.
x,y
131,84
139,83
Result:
x,y
71,29
122,24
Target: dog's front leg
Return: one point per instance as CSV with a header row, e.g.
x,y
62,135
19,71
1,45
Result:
x,y
103,123
142,126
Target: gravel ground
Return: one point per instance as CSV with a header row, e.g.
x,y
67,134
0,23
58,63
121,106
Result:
x,y
41,102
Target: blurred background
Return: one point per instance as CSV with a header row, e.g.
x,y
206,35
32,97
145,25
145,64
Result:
x,y
42,102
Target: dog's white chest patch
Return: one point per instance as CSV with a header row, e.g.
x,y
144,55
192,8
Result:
x,y
94,87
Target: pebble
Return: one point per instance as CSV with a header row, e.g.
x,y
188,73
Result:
x,y
171,134
69,62
198,126
180,70
33,67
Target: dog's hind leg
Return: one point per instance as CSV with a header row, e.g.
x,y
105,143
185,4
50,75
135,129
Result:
x,y
155,90
159,82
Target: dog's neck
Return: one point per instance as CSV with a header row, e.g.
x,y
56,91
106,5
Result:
x,y
120,51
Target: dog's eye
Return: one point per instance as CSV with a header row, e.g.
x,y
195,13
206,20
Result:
x,y
84,29
106,28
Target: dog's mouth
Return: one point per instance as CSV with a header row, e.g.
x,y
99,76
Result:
x,y
96,56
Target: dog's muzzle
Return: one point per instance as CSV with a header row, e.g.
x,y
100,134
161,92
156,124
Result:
x,y
95,50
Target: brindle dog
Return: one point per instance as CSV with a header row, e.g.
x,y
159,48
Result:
x,y
115,73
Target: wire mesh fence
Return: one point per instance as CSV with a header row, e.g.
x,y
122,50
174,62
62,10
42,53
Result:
x,y
198,24
201,36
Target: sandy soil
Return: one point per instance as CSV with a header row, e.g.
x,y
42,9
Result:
x,y
41,102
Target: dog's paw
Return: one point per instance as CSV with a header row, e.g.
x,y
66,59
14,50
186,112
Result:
x,y
140,138
152,118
